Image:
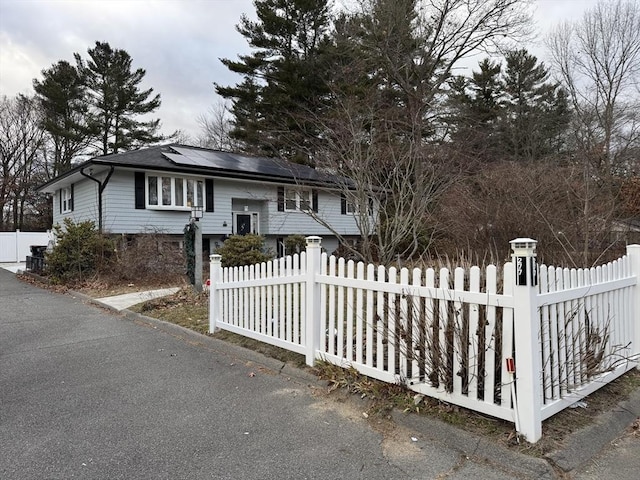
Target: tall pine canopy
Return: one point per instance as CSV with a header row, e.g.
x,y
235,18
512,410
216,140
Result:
x,y
281,78
509,113
116,100
62,95
536,109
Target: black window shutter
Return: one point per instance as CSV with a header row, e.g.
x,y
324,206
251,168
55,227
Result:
x,y
281,199
139,190
343,204
71,200
60,198
208,194
314,200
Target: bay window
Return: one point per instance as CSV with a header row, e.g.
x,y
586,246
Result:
x,y
170,192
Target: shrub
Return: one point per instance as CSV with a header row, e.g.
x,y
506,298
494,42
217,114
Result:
x,y
240,250
151,257
295,244
79,251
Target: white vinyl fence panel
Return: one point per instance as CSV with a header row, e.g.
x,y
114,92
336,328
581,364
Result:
x,y
451,335
266,301
14,246
420,329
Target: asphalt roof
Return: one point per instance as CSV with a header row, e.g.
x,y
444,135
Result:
x,y
203,161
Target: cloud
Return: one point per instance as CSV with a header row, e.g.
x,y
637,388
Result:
x,y
178,43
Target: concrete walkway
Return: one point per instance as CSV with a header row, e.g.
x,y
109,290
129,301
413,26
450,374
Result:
x,y
14,267
126,300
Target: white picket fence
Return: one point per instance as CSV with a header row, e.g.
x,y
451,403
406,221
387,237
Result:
x,y
447,334
14,246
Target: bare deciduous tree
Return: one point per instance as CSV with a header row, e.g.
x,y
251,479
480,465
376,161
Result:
x,y
215,128
598,60
21,138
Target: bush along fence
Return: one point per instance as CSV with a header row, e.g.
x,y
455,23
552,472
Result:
x,y
519,343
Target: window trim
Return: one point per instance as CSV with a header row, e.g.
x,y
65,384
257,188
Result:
x,y
66,199
350,208
299,199
186,179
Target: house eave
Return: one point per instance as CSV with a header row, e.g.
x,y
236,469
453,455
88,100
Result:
x,y
159,159
74,175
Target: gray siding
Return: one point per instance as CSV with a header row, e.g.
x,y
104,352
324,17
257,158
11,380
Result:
x,y
120,215
85,204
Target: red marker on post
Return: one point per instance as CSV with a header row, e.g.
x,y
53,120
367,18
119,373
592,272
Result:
x,y
511,370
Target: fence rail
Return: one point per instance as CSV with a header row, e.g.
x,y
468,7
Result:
x,y
266,301
447,334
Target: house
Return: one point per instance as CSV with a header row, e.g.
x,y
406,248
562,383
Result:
x,y
625,231
153,190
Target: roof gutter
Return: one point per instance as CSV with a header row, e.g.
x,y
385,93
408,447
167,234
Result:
x,y
101,186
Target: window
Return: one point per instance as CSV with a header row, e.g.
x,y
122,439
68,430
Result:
x,y
297,200
178,193
66,200
351,207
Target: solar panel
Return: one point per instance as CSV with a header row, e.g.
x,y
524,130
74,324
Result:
x,y
186,160
241,163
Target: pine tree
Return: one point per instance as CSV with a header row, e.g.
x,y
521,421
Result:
x,y
515,113
116,100
535,110
281,77
475,105
62,95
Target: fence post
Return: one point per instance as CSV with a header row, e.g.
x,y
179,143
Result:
x,y
633,252
528,361
215,275
313,324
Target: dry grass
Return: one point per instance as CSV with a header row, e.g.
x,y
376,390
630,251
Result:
x,y
185,308
383,397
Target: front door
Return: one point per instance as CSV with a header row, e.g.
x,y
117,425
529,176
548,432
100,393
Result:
x,y
243,223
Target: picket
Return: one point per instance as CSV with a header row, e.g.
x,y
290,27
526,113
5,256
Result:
x,y
448,337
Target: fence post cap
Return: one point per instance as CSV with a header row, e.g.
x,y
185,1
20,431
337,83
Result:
x,y
523,246
215,258
313,240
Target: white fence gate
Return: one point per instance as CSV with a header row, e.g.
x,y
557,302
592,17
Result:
x,y
449,335
14,246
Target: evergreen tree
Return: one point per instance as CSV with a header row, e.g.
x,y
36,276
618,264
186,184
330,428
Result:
x,y
116,100
535,110
475,105
515,113
282,77
62,95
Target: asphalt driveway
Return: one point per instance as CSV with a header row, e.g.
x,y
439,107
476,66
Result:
x,y
92,394
85,393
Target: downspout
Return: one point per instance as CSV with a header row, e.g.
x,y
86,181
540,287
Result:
x,y
101,187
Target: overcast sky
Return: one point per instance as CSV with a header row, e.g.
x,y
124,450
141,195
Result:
x,y
178,43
